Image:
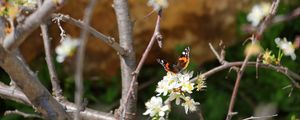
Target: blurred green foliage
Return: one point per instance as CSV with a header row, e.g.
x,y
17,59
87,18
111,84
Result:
x,y
268,88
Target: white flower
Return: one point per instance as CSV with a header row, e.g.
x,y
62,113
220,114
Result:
x,y
66,49
185,83
162,88
175,96
155,107
258,12
158,4
189,104
169,82
286,46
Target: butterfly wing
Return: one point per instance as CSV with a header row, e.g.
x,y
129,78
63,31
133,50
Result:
x,y
184,59
168,66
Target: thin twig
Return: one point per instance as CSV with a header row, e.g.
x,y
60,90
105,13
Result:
x,y
53,76
236,86
258,34
144,56
25,115
284,18
7,92
220,56
107,39
252,118
80,58
57,91
215,52
253,64
62,31
267,19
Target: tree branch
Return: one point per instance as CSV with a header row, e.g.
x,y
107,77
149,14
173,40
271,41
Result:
x,y
25,115
267,19
26,80
257,36
284,18
80,58
107,39
16,38
236,86
279,69
10,93
156,35
261,117
128,62
57,91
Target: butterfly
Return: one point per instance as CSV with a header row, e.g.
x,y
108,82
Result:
x,y
181,64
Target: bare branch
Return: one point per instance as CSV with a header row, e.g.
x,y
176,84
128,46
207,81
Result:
x,y
15,38
27,81
144,56
258,34
25,115
80,58
284,18
252,118
236,86
220,56
128,62
267,19
57,91
107,39
7,92
279,69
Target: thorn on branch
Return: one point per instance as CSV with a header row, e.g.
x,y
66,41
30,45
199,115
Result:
x,y
258,61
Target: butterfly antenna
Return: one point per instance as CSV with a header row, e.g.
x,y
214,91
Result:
x,y
148,14
188,48
140,19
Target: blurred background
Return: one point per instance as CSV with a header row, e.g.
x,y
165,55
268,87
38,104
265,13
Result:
x,y
193,23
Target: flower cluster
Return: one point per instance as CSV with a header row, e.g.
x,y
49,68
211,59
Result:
x,y
258,12
287,47
66,49
158,4
178,87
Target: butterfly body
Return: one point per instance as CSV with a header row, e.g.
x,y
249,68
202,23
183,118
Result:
x,y
181,64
